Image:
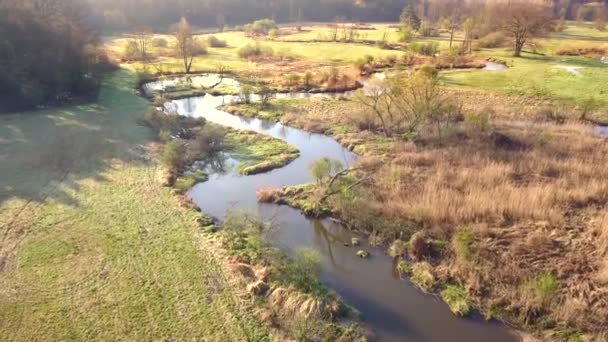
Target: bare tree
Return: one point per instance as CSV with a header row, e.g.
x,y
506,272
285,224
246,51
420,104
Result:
x,y
403,103
185,43
523,20
142,37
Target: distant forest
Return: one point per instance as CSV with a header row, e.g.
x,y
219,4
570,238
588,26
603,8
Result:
x,y
160,14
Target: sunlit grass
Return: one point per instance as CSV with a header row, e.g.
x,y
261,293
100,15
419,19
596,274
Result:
x,y
94,248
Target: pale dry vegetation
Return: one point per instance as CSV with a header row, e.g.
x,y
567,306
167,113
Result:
x,y
529,174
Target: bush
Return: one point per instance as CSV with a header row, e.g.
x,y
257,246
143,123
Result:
x,y
325,168
541,289
425,49
307,79
207,141
293,79
131,51
457,300
160,42
173,156
462,244
492,40
260,27
254,51
303,272
550,114
198,48
478,121
422,276
215,42
427,30
160,121
406,35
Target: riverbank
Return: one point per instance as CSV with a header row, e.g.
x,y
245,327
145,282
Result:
x,y
421,193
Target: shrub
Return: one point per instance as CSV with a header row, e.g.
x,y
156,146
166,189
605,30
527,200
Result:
x,y
260,27
325,168
160,121
479,121
215,42
159,42
427,30
397,248
462,244
293,79
198,48
253,51
406,34
425,49
207,141
245,94
307,79
274,33
131,51
492,40
303,272
539,290
174,155
550,114
422,275
457,300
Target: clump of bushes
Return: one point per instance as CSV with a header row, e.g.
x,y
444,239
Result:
x,y
215,42
261,27
254,51
159,42
425,49
492,40
131,51
198,48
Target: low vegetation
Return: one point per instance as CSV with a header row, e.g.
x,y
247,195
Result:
x,y
289,288
258,153
483,192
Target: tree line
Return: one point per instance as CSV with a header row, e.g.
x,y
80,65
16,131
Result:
x,y
160,14
47,54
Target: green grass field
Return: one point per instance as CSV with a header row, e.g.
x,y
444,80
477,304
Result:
x,y
543,74
92,247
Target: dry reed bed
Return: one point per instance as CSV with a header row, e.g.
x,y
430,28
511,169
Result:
x,y
550,172
536,199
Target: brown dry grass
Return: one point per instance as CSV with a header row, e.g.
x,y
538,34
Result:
x,y
473,181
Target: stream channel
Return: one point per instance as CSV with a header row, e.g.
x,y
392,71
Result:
x,y
392,307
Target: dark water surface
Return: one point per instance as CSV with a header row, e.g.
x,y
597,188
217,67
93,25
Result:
x,y
393,308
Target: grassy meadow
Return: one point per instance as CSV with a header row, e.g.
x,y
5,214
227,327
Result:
x,y
92,247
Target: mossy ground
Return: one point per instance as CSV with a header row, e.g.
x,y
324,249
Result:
x,y
258,153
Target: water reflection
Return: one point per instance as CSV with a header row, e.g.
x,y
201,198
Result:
x,y
395,309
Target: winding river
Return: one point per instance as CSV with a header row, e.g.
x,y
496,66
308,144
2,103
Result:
x,y
393,308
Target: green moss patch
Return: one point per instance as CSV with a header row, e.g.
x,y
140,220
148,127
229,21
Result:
x,y
258,153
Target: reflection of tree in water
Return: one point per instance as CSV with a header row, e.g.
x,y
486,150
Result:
x,y
283,132
190,105
266,125
217,163
324,236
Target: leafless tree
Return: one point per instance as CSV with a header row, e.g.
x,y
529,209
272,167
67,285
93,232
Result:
x,y
142,37
185,43
523,20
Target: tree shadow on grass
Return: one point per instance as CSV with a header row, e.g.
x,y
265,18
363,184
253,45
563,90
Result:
x,y
44,154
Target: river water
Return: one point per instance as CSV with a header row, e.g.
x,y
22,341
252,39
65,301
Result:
x,y
393,308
